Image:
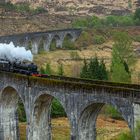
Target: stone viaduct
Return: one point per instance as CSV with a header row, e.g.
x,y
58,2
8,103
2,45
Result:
x,y
81,99
40,41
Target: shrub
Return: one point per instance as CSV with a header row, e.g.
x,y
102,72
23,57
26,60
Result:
x,y
84,40
125,136
75,55
94,22
129,3
137,130
53,45
8,6
136,38
39,10
21,112
60,70
98,39
112,112
80,23
126,21
113,21
57,110
23,8
68,44
137,14
129,135
47,70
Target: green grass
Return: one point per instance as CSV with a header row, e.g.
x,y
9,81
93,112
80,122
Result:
x,y
125,136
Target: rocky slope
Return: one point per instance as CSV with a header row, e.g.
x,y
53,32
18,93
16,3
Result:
x,y
82,7
14,25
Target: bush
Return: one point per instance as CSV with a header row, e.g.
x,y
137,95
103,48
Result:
x,y
137,14
21,112
87,22
39,10
136,38
137,130
115,21
125,136
60,70
68,44
53,45
80,23
8,6
113,113
94,22
57,109
110,21
75,55
129,135
98,39
84,40
47,70
22,8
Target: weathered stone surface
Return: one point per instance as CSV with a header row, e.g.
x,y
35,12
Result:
x,y
81,99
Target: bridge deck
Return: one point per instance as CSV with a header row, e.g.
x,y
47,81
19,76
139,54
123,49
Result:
x,y
77,81
111,89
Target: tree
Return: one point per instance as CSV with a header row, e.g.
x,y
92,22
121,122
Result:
x,y
123,47
103,74
118,72
60,70
48,69
137,16
84,72
122,57
94,70
42,70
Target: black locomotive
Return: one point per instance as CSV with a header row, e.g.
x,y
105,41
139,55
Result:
x,y
27,68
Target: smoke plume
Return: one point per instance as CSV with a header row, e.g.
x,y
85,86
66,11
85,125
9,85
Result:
x,y
12,53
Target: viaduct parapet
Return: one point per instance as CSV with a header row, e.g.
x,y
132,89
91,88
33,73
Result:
x,y
81,99
41,41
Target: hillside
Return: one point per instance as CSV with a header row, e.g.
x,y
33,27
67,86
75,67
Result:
x,y
13,22
81,7
72,60
22,24
40,15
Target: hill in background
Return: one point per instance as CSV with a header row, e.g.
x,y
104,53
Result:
x,y
82,7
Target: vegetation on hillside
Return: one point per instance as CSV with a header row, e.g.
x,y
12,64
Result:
x,y
122,58
95,69
23,8
108,21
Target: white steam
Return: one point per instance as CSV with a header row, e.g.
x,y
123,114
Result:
x,y
12,53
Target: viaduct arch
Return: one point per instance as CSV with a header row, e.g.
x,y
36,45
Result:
x,y
81,99
32,40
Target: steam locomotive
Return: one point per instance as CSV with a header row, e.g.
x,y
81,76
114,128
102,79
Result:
x,y
27,68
